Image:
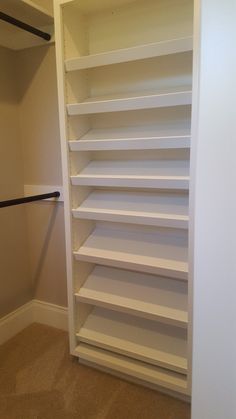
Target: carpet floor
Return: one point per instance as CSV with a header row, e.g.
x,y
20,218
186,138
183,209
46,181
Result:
x,y
40,380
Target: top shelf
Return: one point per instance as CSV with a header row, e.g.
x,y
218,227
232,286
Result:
x,y
28,12
140,52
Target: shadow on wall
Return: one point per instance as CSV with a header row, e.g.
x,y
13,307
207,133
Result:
x,y
27,73
47,251
15,283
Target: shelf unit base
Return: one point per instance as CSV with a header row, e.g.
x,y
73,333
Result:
x,y
134,371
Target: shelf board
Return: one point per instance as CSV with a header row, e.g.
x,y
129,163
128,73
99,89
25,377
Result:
x,y
148,252
140,52
142,295
163,174
135,138
30,13
145,340
132,101
128,367
163,210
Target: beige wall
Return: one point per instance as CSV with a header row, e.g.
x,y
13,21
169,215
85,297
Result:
x,y
32,249
15,284
46,4
39,128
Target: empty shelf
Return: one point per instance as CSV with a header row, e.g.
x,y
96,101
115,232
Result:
x,y
140,52
147,341
128,139
148,252
143,295
128,367
164,174
164,210
115,103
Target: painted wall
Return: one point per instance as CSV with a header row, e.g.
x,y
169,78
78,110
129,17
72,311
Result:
x,y
32,250
39,129
214,313
46,4
15,284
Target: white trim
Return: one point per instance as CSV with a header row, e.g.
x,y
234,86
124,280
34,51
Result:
x,y
50,314
14,322
41,189
34,311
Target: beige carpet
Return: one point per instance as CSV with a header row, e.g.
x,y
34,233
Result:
x,y
39,380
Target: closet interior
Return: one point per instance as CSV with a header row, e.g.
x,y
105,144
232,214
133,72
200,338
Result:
x,y
29,143
125,91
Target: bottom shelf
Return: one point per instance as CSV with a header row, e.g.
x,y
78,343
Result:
x,y
130,368
148,341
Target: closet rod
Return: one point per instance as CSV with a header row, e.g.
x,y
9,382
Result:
x,y
27,199
24,26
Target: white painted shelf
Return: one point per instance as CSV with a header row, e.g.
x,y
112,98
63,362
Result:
x,y
142,295
134,138
148,252
128,367
163,210
131,101
30,13
147,341
139,52
163,174
126,93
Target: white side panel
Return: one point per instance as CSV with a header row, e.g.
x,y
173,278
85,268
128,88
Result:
x,y
214,314
65,169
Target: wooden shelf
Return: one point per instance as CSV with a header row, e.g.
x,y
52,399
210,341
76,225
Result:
x,y
124,102
163,210
140,52
125,83
131,138
147,341
163,174
127,368
148,252
146,296
30,13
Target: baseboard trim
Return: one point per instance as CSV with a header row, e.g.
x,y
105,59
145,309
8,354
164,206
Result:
x,y
50,314
35,311
14,322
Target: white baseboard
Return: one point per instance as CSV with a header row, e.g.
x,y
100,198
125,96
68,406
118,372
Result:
x,y
34,311
15,321
50,314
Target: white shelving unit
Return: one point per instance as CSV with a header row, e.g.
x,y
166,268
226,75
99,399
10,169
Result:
x,y
125,93
30,13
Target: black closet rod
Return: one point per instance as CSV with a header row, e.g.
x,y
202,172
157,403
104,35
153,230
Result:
x,y
27,199
24,26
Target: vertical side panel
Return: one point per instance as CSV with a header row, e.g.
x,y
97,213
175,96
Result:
x,y
65,167
214,332
195,108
